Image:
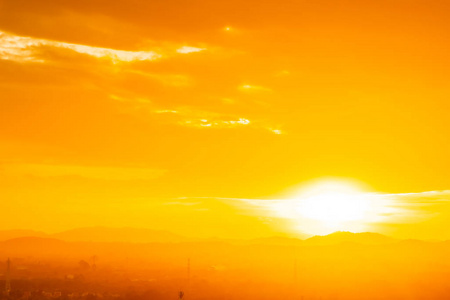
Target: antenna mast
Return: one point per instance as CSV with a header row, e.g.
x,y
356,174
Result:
x,y
8,277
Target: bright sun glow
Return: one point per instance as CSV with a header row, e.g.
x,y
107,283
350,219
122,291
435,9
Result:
x,y
333,203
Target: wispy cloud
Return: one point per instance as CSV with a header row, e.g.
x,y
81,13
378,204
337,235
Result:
x,y
22,49
187,49
385,212
216,123
204,119
276,131
392,208
197,118
253,88
188,116
182,203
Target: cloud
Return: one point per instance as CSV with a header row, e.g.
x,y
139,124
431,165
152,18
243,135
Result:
x,y
22,49
426,198
248,87
204,119
165,111
216,123
385,208
187,116
191,116
90,172
187,49
276,131
182,203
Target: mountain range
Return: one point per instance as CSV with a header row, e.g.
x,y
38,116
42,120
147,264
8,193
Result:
x,y
141,235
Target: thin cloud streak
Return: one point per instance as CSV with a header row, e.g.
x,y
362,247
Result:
x,y
187,49
188,116
386,206
22,49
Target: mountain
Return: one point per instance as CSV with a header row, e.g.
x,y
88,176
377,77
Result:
x,y
17,233
275,241
126,235
339,237
142,235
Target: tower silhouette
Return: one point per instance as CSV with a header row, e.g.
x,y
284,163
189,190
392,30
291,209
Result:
x,y
188,281
8,277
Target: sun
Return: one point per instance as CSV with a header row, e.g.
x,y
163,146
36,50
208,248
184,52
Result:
x,y
333,203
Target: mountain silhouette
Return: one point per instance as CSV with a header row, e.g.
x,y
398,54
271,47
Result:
x,y
339,237
17,233
142,235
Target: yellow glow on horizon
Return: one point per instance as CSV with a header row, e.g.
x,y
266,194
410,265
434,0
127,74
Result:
x,y
103,105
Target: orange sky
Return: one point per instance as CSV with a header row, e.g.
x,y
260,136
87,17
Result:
x,y
110,110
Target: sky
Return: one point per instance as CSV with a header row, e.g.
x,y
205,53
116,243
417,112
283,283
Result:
x,y
180,114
